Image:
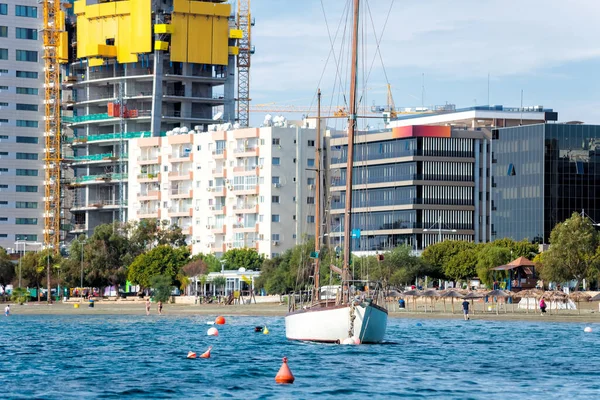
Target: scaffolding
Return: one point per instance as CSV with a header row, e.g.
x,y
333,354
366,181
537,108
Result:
x,y
244,24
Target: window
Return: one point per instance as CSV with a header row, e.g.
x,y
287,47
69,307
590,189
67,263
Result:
x,y
274,199
310,219
3,203
26,204
3,153
25,33
3,136
24,123
27,156
3,104
275,180
3,169
3,31
27,107
275,142
311,143
310,200
26,11
310,162
27,90
3,219
27,139
275,236
276,161
3,71
26,221
6,121
274,255
3,9
310,181
3,235
3,187
27,172
27,55
28,238
27,74
27,189
275,218
3,54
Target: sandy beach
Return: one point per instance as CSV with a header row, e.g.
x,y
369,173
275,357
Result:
x,y
588,311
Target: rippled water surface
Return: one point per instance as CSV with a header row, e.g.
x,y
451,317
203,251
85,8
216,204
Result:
x,y
145,357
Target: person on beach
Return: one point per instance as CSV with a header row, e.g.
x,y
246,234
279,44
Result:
x,y
160,307
147,306
543,306
7,310
465,306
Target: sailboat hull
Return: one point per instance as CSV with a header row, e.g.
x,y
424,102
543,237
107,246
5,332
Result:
x,y
333,324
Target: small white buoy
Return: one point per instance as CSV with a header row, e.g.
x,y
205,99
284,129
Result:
x,y
587,329
213,332
356,340
348,341
210,322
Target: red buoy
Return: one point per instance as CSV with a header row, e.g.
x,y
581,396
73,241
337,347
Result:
x,y
284,375
191,354
206,354
220,320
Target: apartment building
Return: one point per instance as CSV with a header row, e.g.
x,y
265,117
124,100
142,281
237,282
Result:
x,y
244,188
21,125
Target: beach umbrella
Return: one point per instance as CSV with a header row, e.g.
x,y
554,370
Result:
x,y
555,296
499,293
578,296
472,296
413,294
596,297
431,294
453,294
535,293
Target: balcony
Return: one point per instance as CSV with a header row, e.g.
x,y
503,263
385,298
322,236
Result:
x,y
218,209
149,177
219,172
182,193
100,178
149,159
79,228
181,157
149,213
246,208
149,195
241,190
245,228
180,211
181,175
245,170
216,230
246,152
219,154
187,230
246,133
92,158
217,191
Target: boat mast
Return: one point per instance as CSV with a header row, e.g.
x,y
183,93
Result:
x,y
317,295
350,152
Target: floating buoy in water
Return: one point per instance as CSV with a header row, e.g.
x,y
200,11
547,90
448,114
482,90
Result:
x,y
258,329
210,322
213,332
419,324
587,329
191,354
206,354
220,320
348,341
284,375
265,330
356,340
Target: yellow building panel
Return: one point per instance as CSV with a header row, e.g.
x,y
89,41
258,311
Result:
x,y
123,7
95,62
92,11
109,28
199,45
222,10
160,45
179,37
107,51
82,29
63,48
107,9
123,42
141,27
234,50
61,20
204,8
79,7
236,34
163,28
220,39
181,6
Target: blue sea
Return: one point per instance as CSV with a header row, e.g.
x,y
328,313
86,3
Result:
x,y
131,357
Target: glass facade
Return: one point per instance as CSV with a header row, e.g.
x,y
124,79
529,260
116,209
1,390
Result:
x,y
541,175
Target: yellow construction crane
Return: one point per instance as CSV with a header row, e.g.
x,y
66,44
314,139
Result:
x,y
244,23
273,108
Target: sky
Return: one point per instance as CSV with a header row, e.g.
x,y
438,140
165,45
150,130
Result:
x,y
434,52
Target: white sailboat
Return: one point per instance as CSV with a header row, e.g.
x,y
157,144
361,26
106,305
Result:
x,y
354,316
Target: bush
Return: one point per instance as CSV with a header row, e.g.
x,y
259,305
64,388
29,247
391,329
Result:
x,y
162,287
19,295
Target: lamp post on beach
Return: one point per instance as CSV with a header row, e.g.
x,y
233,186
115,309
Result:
x,y
439,229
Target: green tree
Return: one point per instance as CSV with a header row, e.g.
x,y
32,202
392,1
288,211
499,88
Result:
x,y
524,248
146,234
7,268
439,254
462,266
212,263
32,271
108,253
246,258
397,268
219,283
491,256
162,287
192,270
573,251
161,260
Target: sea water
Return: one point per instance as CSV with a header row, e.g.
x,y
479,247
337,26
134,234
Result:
x,y
127,357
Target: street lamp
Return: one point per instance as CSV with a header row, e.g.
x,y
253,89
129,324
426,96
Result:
x,y
439,229
24,243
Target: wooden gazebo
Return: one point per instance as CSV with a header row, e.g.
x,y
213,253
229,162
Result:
x,y
521,274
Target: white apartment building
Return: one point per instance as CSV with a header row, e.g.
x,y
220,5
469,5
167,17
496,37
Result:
x,y
21,125
245,188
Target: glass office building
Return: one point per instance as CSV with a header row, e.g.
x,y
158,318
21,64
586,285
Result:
x,y
541,174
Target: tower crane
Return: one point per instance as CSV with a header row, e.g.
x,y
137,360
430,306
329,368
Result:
x,y
244,23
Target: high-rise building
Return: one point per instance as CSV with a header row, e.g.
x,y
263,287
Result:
x,y
244,188
541,174
140,69
21,125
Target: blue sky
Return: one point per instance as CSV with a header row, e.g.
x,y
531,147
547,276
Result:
x,y
547,48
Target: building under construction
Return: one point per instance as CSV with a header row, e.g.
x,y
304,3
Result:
x,y
139,69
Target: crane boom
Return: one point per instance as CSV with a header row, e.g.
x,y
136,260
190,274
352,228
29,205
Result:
x,y
244,24
52,157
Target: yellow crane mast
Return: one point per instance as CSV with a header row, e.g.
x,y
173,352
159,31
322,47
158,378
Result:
x,y
53,25
244,23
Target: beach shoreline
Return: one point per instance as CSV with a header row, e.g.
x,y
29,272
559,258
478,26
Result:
x,y
280,310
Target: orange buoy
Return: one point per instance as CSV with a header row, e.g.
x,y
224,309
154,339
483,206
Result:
x,y
220,320
206,354
191,354
284,375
